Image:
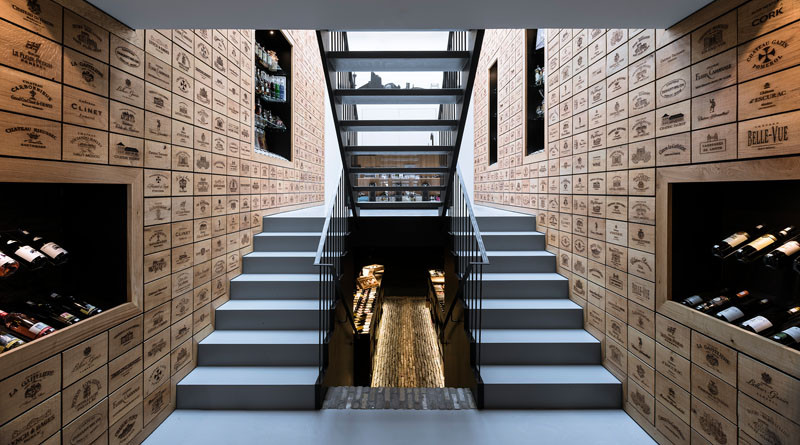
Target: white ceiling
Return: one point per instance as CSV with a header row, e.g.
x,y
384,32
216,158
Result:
x,y
399,14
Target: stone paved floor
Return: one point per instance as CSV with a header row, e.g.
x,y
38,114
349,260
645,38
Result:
x,y
360,397
407,354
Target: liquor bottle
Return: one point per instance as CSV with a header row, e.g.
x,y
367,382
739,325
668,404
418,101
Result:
x,y
761,244
8,265
702,297
744,310
56,253
28,327
9,341
51,312
23,253
729,244
765,323
783,255
796,265
789,336
72,304
722,301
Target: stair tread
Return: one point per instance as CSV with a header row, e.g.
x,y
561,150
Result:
x,y
519,253
298,254
251,375
546,374
520,303
277,277
513,233
523,276
262,337
285,234
270,305
489,336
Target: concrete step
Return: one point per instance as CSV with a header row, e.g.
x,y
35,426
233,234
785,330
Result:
x,y
524,285
522,240
259,348
248,388
286,242
267,314
520,223
530,314
539,347
520,261
279,262
275,286
276,223
550,387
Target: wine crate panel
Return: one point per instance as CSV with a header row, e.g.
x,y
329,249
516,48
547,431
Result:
x,y
769,53
29,52
23,93
772,94
43,17
36,425
763,424
769,136
770,387
83,394
30,387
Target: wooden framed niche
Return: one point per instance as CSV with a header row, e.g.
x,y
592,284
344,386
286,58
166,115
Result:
x,y
32,173
762,172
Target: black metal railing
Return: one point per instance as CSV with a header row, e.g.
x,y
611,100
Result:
x,y
470,257
330,253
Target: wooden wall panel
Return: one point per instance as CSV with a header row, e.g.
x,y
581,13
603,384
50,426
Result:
x,y
152,102
692,94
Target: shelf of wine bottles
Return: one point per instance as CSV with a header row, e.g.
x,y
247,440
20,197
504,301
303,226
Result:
x,y
40,316
22,251
774,249
364,299
437,282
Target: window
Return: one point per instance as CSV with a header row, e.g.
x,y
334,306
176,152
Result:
x,y
493,114
534,100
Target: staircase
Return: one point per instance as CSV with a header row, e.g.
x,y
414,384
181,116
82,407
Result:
x,y
534,351
393,170
264,351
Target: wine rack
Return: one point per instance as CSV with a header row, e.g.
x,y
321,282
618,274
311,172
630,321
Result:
x,y
273,94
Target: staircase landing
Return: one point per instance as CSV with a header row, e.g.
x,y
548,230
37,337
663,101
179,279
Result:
x,y
360,397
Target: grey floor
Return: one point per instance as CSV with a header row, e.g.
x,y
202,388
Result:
x,y
346,427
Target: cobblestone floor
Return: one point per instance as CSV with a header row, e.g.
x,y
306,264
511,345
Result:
x,y
361,397
407,354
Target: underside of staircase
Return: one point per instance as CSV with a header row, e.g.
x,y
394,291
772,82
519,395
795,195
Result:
x,y
535,353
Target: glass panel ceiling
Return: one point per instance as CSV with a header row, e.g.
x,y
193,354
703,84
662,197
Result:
x,y
391,138
397,40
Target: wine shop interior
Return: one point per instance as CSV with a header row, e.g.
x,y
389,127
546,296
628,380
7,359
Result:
x,y
457,221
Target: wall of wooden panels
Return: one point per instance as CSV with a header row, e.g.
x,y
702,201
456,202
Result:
x,y
623,104
88,88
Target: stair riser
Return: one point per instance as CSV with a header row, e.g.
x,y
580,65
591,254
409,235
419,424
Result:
x,y
285,224
513,242
258,290
266,319
286,243
528,264
255,264
540,353
530,319
553,396
506,223
246,397
257,354
525,289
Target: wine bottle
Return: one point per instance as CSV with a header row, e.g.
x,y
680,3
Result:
x,y
722,301
8,265
28,327
9,341
796,265
761,244
56,253
789,336
701,298
71,303
764,323
729,244
23,253
49,311
783,255
743,311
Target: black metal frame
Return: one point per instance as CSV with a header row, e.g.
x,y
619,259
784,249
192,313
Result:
x,y
332,248
470,256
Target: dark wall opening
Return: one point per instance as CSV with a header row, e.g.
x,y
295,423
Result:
x,y
493,114
275,140
534,99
